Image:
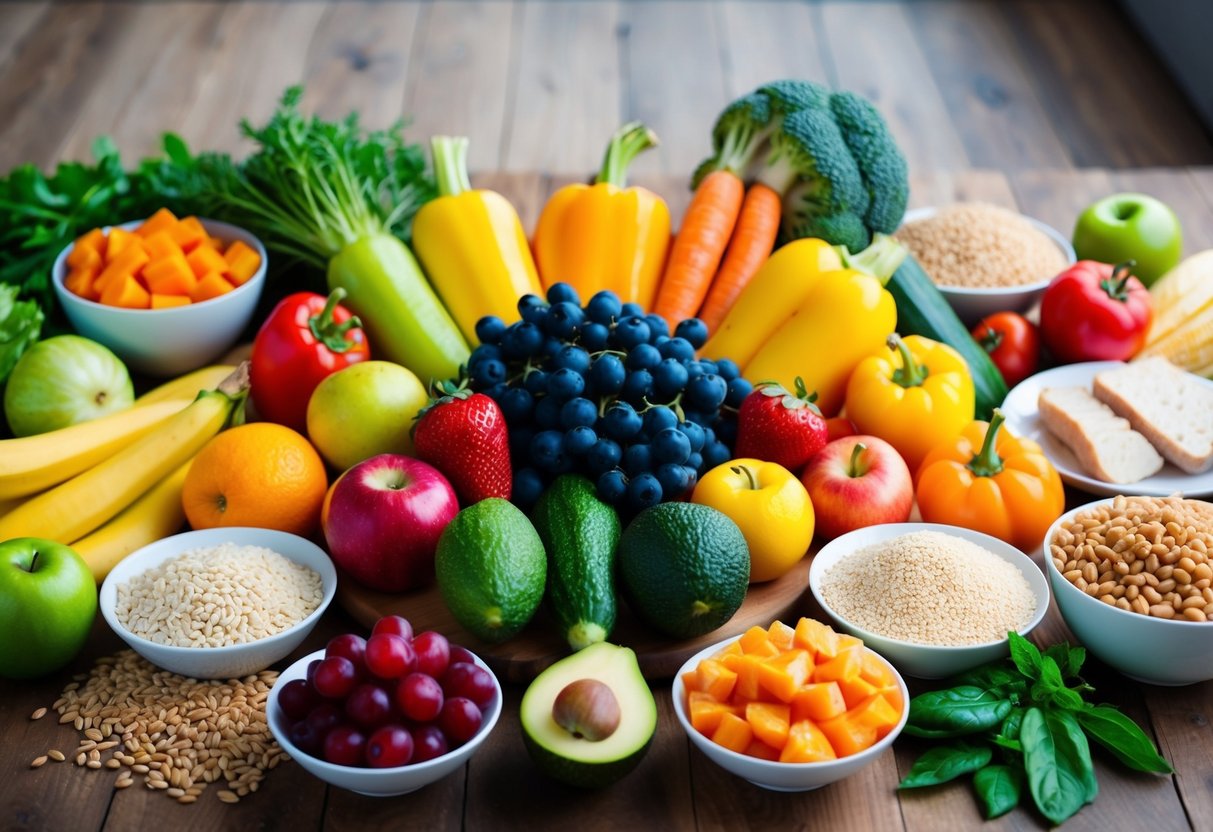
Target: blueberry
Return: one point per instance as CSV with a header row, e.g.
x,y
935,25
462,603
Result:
x,y
579,440
605,455
727,369
576,412
642,357
536,382
631,308
693,330
706,392
547,413
726,431
522,340
563,293
678,348
697,417
563,319
573,357
520,442
659,418
489,329
694,434
657,325
528,485
675,479
604,307
607,374
532,308
637,459
669,378
644,491
551,346
496,391
621,421
595,337
631,331
709,366
715,453
671,445
545,447
486,351
694,370
486,372
695,462
612,486
637,386
739,388
565,384
516,405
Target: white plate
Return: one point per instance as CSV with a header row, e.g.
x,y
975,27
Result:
x,y
1023,419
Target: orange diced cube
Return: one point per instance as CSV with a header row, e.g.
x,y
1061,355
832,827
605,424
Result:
x,y
817,638
119,241
690,681
783,675
243,262
162,220
215,243
806,744
211,286
188,234
856,690
847,736
126,264
205,259
169,301
715,678
161,245
762,751
80,282
93,241
733,649
769,721
818,701
86,259
126,292
893,696
170,276
733,733
781,635
705,712
756,642
746,688
875,712
845,665
874,669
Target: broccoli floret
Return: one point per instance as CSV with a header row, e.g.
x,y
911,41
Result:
x,y
740,133
790,96
880,161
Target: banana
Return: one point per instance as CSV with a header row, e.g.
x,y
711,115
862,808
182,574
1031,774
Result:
x,y
187,386
33,463
156,514
73,509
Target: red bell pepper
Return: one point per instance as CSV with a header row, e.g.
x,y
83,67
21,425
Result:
x,y
1012,342
1095,312
304,340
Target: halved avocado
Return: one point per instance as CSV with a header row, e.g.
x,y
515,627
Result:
x,y
571,758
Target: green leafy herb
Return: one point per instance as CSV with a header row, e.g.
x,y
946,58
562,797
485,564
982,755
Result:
x,y
1069,659
1011,725
1121,735
1057,760
955,712
999,788
944,763
1026,656
20,324
1001,677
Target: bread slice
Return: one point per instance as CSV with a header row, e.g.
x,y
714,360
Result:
x,y
1106,446
1167,406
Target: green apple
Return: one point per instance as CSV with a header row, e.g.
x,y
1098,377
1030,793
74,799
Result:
x,y
48,600
62,381
364,410
1130,227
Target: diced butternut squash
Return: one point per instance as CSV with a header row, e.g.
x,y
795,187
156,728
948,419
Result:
x,y
161,245
874,670
747,677
79,281
188,233
760,750
205,259
734,649
756,642
170,275
848,736
892,695
211,286
785,674
845,666
714,678
806,744
126,292
242,261
690,680
733,733
856,690
162,220
119,241
86,257
781,635
817,638
93,241
124,265
169,301
875,712
769,721
818,701
705,712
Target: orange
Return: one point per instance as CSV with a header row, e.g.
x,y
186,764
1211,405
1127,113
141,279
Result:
x,y
261,474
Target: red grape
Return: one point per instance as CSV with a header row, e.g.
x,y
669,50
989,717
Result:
x,y
297,698
390,746
470,681
335,677
305,737
324,718
395,625
389,656
460,719
419,697
311,669
433,653
345,746
428,742
461,654
349,646
369,706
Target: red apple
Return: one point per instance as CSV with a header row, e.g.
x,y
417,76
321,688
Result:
x,y
858,481
382,519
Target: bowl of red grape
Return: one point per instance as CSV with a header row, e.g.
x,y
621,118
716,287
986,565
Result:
x,y
387,714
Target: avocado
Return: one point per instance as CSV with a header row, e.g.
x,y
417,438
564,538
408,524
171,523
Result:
x,y
491,569
685,568
580,533
571,757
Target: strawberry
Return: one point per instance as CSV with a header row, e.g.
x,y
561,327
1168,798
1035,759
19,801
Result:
x,y
463,435
777,426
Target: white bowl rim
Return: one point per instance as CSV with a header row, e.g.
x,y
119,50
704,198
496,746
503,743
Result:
x,y
59,271
328,578
486,727
678,692
1055,236
941,649
1069,587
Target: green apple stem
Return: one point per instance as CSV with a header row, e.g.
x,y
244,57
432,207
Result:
x,y
741,469
986,462
854,469
1117,285
33,563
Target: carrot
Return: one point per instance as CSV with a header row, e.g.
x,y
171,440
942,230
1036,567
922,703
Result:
x,y
700,243
751,245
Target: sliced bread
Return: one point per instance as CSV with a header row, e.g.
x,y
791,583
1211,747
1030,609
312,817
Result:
x,y
1167,406
1105,445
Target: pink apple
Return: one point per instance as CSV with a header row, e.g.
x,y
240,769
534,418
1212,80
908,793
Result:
x,y
858,481
382,519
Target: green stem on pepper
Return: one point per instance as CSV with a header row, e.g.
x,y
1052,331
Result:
x,y
627,143
986,462
451,164
910,373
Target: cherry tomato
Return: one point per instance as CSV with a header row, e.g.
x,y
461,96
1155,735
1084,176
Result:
x,y
1013,344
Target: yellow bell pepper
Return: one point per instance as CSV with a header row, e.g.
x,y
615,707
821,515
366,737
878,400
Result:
x,y
845,317
472,244
913,395
606,236
987,480
771,299
770,506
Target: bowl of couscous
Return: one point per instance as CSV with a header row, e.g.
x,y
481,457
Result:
x,y
935,600
984,258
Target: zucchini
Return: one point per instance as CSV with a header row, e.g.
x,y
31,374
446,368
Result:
x,y
580,534
922,310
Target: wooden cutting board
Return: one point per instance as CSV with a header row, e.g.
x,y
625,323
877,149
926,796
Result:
x,y
521,658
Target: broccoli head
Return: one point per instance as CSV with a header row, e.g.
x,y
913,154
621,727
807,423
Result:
x,y
740,132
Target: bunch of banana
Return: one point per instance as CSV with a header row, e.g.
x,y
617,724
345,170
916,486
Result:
x,y
112,485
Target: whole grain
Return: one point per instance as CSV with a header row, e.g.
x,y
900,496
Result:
x,y
930,588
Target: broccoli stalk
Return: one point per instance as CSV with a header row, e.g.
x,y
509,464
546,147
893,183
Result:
x,y
740,134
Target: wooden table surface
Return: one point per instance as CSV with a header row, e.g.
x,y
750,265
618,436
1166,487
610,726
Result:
x,y
675,786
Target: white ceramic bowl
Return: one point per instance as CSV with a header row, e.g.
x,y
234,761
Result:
x,y
927,661
219,662
971,305
375,782
167,342
773,775
1142,647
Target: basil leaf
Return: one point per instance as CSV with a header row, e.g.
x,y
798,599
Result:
x,y
1025,655
1068,699
1000,676
1077,656
944,763
1057,761
960,710
1122,736
1048,682
1010,725
999,788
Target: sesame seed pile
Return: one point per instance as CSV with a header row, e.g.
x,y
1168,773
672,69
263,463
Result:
x,y
930,588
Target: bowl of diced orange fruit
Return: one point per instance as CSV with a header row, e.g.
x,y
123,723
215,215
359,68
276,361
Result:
x,y
791,708
167,295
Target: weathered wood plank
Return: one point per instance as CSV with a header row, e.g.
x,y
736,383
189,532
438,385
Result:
x,y
1183,721
17,20
1057,197
943,188
765,41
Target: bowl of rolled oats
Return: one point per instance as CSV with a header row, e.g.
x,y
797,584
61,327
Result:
x,y
219,603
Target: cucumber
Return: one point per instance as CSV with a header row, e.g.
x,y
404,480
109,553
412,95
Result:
x,y
922,310
580,533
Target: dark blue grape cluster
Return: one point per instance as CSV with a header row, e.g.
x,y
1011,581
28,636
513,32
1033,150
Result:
x,y
608,391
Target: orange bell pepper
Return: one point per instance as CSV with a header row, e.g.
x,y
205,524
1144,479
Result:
x,y
990,481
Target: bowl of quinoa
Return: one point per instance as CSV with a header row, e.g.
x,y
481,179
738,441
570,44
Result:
x,y
935,600
219,603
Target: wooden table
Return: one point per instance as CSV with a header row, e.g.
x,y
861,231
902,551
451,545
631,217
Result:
x,y
675,787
